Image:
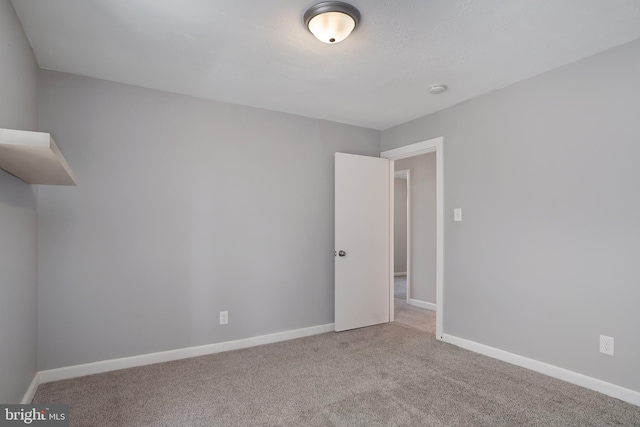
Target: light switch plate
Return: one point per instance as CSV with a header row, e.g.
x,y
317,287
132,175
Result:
x,y
457,214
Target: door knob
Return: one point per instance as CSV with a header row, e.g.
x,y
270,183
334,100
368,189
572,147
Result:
x,y
342,253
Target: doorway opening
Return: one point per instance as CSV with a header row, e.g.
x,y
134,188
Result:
x,y
425,267
402,234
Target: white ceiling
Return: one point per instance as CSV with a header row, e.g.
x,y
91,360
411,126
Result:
x,y
258,52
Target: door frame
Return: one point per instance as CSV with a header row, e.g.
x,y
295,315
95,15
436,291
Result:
x,y
434,145
405,174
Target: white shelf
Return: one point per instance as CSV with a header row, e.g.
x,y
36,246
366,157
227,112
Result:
x,y
34,157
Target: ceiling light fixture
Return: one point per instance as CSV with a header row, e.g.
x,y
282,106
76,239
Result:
x,y
331,21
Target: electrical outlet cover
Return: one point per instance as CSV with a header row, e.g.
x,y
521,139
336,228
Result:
x,y
224,317
606,345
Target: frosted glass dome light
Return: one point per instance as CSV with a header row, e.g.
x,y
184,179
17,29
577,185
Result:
x,y
331,21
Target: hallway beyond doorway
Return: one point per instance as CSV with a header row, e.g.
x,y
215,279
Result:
x,y
406,314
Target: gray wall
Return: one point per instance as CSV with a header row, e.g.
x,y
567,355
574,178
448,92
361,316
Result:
x,y
400,226
546,258
18,232
184,207
423,225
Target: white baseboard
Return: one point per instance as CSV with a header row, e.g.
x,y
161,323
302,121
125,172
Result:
x,y
31,391
422,304
600,386
182,353
400,274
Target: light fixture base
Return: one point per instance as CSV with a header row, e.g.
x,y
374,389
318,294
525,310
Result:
x,y
331,6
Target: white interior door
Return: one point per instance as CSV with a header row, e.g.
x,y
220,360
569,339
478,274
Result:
x,y
362,239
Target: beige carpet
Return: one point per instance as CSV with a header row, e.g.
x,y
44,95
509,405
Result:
x,y
386,375
409,315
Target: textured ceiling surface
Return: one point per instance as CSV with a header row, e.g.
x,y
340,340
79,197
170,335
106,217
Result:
x,y
258,53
